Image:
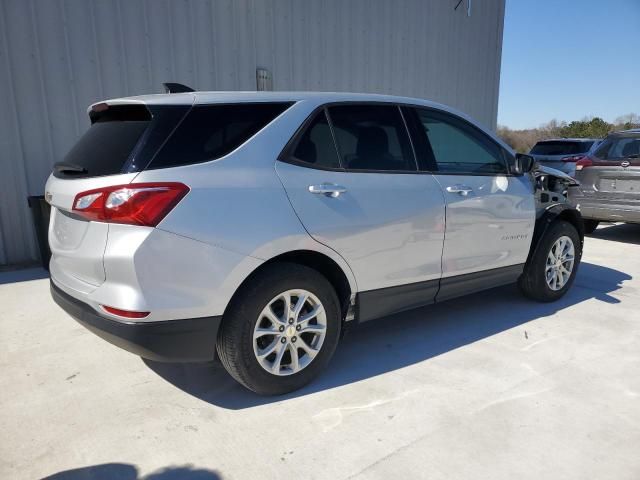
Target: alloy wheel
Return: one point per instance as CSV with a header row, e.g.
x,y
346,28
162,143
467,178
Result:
x,y
560,262
289,332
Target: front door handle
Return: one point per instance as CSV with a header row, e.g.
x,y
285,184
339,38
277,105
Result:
x,y
328,189
460,189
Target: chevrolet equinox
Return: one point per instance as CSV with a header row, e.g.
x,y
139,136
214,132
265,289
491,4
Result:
x,y
257,227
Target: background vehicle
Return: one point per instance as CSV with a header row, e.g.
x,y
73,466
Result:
x,y
610,181
562,153
261,225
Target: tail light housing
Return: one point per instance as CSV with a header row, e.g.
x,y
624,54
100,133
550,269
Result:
x,y
583,163
143,204
573,158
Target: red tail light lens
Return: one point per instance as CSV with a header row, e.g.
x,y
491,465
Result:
x,y
133,204
583,163
573,158
124,313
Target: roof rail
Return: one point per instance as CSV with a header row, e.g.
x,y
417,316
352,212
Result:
x,y
170,87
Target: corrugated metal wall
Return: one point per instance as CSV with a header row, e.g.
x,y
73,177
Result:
x,y
58,56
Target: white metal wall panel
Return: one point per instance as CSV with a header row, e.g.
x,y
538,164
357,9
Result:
x,y
58,56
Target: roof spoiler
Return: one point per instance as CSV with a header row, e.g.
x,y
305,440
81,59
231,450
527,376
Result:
x,y
170,87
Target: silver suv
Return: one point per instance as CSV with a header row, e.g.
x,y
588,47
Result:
x,y
259,226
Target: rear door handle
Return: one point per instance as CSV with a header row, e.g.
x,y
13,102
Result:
x,y
460,189
327,189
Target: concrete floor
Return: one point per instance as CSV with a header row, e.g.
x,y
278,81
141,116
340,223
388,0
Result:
x,y
491,386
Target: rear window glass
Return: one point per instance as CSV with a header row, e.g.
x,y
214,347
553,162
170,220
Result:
x,y
212,131
618,147
105,148
560,148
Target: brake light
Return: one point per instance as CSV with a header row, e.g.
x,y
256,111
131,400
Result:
x,y
143,204
124,313
573,158
583,163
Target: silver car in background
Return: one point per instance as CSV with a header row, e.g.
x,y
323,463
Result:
x,y
563,153
260,226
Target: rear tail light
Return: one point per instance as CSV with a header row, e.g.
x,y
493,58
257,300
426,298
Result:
x,y
583,163
124,313
133,204
573,158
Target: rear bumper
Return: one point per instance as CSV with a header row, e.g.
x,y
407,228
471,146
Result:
x,y
611,213
185,340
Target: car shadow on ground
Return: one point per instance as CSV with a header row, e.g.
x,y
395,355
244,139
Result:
x,y
621,232
400,340
125,471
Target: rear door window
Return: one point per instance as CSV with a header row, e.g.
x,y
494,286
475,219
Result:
x,y
209,132
372,137
316,147
107,145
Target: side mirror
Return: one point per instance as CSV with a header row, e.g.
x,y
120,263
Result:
x,y
523,164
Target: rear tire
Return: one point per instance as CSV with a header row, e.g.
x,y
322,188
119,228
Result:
x,y
260,319
549,274
590,225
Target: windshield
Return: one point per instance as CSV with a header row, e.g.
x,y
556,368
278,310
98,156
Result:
x,y
618,147
560,148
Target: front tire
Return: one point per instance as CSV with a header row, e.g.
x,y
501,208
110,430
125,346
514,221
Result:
x,y
281,329
552,269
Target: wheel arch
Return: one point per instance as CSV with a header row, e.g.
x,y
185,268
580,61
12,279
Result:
x,y
551,214
342,281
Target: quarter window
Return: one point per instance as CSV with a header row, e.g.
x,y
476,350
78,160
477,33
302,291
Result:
x,y
316,146
372,137
458,148
212,131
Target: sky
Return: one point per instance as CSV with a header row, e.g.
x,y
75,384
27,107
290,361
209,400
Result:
x,y
567,59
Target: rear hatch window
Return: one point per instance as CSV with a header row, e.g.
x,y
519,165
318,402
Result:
x,y
560,148
106,147
617,147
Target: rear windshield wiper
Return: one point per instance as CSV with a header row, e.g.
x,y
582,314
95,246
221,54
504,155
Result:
x,y
635,155
62,167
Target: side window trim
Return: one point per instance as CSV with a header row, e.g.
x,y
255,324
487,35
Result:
x,y
333,136
476,133
418,140
406,128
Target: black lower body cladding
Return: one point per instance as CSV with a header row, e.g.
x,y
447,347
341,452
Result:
x,y
185,340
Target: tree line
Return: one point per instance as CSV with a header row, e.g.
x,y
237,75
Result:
x,y
595,127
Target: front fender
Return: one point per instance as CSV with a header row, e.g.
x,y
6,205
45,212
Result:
x,y
558,211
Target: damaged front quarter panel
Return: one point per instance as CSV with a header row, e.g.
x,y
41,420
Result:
x,y
551,188
552,203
